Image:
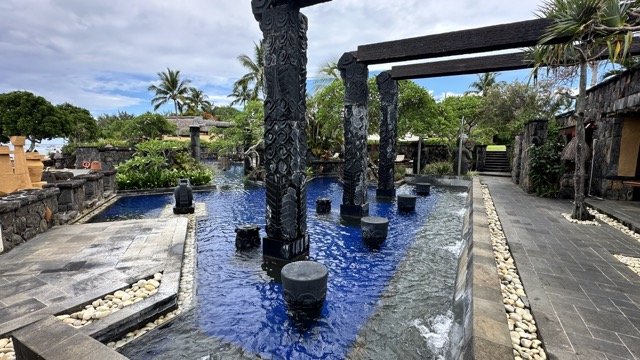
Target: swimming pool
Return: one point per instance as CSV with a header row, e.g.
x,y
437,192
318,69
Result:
x,y
392,302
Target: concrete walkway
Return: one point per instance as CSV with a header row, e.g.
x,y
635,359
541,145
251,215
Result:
x,y
72,265
586,303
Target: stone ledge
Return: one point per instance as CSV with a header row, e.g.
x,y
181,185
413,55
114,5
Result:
x,y
51,339
480,329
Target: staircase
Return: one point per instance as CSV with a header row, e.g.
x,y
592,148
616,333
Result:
x,y
497,161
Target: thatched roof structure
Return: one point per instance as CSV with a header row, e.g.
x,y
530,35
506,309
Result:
x,y
184,122
569,151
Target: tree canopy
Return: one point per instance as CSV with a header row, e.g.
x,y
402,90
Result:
x,y
23,113
84,127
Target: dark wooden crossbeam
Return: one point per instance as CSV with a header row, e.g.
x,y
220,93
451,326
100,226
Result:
x,y
476,65
491,38
307,3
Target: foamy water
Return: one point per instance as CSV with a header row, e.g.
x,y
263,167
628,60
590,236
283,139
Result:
x,y
435,332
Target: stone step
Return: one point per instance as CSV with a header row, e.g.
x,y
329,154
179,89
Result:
x,y
51,339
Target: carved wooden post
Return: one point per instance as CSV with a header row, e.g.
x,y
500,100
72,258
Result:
x,y
285,50
356,124
388,89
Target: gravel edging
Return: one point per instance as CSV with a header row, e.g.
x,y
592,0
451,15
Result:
x,y
522,326
186,284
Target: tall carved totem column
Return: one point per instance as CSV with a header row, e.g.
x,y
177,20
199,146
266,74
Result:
x,y
388,89
285,48
356,123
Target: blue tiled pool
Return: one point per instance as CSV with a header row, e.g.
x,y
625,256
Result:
x,y
240,310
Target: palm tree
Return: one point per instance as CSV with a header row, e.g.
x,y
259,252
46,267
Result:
x,y
241,94
197,101
327,74
170,88
485,81
254,79
592,28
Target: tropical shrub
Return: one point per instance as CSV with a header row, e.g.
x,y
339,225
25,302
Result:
x,y
438,169
546,168
159,164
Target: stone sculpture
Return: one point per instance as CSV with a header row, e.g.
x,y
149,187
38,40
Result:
x,y
356,123
388,88
285,59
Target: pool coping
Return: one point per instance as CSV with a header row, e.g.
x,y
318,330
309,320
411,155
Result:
x,y
480,321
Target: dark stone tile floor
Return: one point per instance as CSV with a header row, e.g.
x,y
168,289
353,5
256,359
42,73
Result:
x,y
586,302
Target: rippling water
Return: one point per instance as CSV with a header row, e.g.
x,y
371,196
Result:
x,y
393,302
134,207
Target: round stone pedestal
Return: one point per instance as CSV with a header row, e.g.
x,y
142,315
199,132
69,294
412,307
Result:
x,y
323,206
423,189
406,203
305,285
374,229
247,236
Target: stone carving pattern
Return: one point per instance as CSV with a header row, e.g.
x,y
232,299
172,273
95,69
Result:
x,y
285,44
388,89
356,124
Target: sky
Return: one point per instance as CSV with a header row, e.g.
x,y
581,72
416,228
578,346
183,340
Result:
x,y
102,55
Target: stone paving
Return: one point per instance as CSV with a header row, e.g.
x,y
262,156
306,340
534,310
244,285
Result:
x,y
72,265
586,303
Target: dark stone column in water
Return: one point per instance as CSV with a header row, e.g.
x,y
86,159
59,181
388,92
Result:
x,y
356,124
285,51
194,131
388,89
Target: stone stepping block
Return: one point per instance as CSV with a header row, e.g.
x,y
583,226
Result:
x,y
423,189
51,339
374,229
407,203
323,206
304,284
247,236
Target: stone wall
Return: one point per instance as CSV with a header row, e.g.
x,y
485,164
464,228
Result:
x,y
608,103
515,159
25,214
109,157
535,133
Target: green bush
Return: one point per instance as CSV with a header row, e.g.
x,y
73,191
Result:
x,y
546,168
438,169
159,164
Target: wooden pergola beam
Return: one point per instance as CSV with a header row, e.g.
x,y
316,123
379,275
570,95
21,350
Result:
x,y
476,65
484,39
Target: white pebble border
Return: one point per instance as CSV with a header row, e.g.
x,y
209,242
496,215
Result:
x,y
632,262
614,224
112,303
185,294
522,326
581,222
6,349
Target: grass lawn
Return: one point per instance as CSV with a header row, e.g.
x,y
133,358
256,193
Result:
x,y
496,148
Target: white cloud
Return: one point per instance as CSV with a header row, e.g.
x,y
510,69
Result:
x,y
103,55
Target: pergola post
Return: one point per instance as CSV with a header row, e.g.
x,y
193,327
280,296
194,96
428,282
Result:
x,y
356,123
285,48
388,89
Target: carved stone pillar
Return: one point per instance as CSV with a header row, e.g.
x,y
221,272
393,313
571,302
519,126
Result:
x,y
194,132
388,89
356,124
285,48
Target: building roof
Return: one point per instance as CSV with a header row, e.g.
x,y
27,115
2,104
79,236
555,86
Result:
x,y
184,122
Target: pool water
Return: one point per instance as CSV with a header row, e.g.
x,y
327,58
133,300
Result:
x,y
134,207
389,302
